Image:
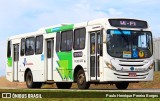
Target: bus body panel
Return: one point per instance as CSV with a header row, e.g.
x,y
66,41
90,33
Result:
x,y
65,62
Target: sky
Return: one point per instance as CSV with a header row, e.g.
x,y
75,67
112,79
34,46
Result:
x,y
22,16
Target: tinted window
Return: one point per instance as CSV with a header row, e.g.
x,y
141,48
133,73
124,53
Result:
x,y
9,49
39,44
30,46
22,47
76,39
66,42
58,40
48,49
69,40
16,52
79,38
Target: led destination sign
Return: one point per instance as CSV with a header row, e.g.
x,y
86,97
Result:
x,y
128,23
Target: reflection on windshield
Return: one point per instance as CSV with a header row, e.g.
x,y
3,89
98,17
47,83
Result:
x,y
129,44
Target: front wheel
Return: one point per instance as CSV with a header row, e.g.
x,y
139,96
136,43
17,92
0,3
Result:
x,y
81,80
122,85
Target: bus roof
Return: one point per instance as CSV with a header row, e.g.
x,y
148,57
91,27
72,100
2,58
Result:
x,y
43,30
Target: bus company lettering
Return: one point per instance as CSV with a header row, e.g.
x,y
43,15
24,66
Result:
x,y
25,62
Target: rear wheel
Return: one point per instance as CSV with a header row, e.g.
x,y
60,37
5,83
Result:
x,y
81,80
64,85
122,85
30,83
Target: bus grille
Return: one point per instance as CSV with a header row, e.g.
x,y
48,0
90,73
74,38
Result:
x,y
129,63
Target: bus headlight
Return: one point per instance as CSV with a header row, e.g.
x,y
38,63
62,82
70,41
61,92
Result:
x,y
110,66
151,66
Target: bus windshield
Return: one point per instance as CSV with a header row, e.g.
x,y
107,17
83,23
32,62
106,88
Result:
x,y
129,44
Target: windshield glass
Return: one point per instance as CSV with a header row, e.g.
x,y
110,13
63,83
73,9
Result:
x,y
129,44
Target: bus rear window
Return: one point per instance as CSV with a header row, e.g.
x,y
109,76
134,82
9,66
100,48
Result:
x,y
9,49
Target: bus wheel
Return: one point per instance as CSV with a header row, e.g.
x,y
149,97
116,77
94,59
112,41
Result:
x,y
30,83
122,85
81,80
64,85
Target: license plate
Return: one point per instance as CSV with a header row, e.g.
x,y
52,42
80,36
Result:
x,y
132,74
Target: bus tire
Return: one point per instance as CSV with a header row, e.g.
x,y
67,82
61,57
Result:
x,y
30,83
122,85
81,80
64,85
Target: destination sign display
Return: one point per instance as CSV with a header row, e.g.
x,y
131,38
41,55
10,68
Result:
x,y
128,23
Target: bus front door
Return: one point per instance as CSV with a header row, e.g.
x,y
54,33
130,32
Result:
x,y
50,50
94,55
16,60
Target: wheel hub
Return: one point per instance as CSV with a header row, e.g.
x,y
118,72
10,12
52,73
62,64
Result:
x,y
81,78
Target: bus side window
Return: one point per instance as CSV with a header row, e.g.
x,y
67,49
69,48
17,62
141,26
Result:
x,y
58,40
100,42
69,40
39,44
76,39
30,46
22,46
82,38
63,41
66,40
79,39
9,49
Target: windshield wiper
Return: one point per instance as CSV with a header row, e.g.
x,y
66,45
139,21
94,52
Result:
x,y
123,36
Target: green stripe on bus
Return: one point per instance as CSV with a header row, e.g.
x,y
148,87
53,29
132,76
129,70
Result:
x,y
49,30
9,60
67,27
65,65
61,28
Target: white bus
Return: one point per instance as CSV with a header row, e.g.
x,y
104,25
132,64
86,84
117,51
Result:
x,y
103,51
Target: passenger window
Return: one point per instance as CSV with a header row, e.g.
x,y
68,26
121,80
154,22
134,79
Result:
x,y
22,47
79,39
66,40
30,46
39,44
58,40
69,40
